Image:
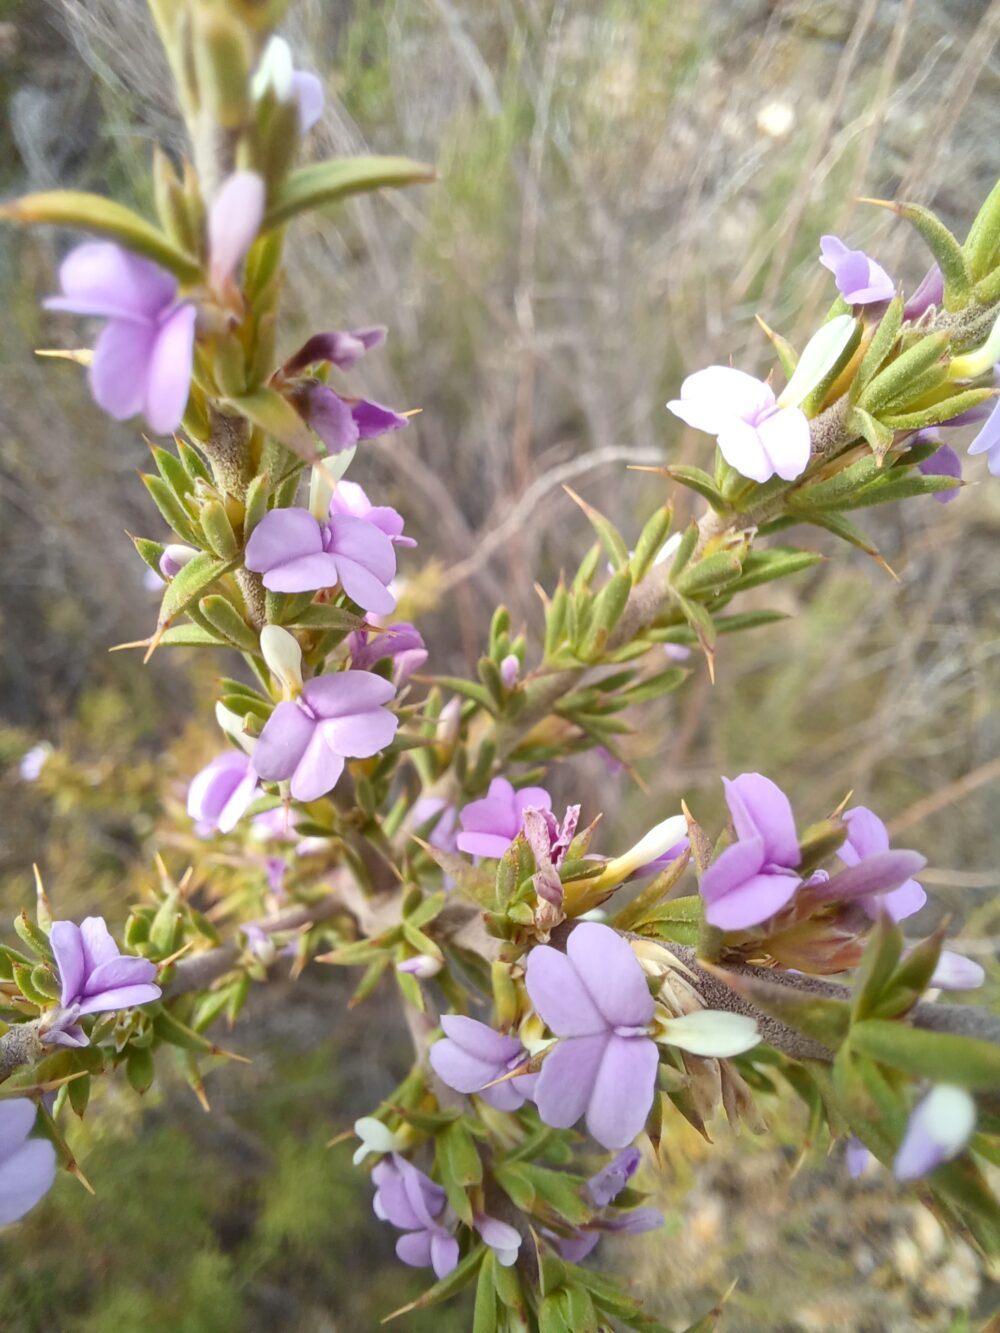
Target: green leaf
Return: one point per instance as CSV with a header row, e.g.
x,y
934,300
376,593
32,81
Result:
x,y
882,343
905,488
223,616
454,1281
777,562
943,1057
327,182
468,689
323,616
190,636
700,482
651,539
710,574
942,245
882,953
983,241
173,511
678,919
484,1313
890,383
140,1068
273,414
844,529
607,610
878,436
562,1192
943,409
609,536
92,212
190,582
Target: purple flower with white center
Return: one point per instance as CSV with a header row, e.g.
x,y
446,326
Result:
x,y
755,435
297,553
27,1166
988,442
220,795
350,498
402,643
490,825
335,718
341,422
939,1128
944,463
471,1055
94,975
411,1201
756,876
859,279
142,359
234,219
596,999
609,1182
930,292
857,1157
174,558
502,1238
867,837
276,73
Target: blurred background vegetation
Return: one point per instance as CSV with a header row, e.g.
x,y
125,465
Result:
x,y
624,183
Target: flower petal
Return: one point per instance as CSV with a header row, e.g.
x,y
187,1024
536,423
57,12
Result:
x,y
168,381
559,996
623,1090
345,693
119,372
741,447
100,278
751,902
304,574
318,771
25,1177
760,808
123,997
480,1040
610,971
234,219
786,440
712,397
564,1087
281,536
67,945
283,742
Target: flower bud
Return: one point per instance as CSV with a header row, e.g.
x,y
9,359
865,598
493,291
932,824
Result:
x,y
235,727
421,965
654,844
980,361
819,356
510,669
233,222
174,558
709,1033
375,1138
283,656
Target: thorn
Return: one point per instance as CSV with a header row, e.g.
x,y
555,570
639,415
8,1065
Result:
x,y
412,412
647,467
154,642
880,203
120,647
340,1138
166,962
74,1170
82,356
231,1055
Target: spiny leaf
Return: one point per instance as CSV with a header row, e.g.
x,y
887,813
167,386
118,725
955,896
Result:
x,y
327,182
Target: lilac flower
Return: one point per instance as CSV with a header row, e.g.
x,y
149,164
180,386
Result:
x,y
549,842
939,1128
342,348
471,1055
955,972
350,498
27,1166
402,643
411,1201
755,877
944,463
490,825
95,976
276,73
335,718
442,835
510,669
574,1249
422,965
867,838
660,863
341,422
930,292
755,436
502,1238
219,796
595,998
988,442
857,1157
297,553
609,1182
859,279
234,219
174,558
33,761
142,360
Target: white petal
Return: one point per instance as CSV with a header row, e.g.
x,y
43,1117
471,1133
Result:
x,y
710,1032
820,354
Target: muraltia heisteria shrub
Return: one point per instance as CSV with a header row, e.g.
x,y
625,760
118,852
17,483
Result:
x,y
560,991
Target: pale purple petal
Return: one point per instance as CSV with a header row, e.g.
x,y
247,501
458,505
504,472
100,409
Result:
x,y
564,1087
611,973
239,802
712,397
741,447
328,415
866,835
318,771
945,463
346,693
859,279
955,972
480,1040
364,588
930,292
609,1182
900,903
283,742
499,1236
785,438
623,1090
857,1156
120,370
939,1128
26,1175
363,543
123,997
67,946
460,1070
512,1095
233,221
17,1120
372,419
304,574
879,873
444,1254
119,972
281,536
559,996
100,278
483,844
988,441
759,808
98,943
342,348
574,1249
307,89
415,1249
537,798
168,381
752,901
634,1222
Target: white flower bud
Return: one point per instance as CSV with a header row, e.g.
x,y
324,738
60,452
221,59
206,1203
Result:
x,y
422,965
234,726
283,656
709,1033
657,841
820,354
274,71
375,1138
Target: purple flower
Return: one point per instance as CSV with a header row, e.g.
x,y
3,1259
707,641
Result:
x,y
33,761
857,1157
490,825
867,838
755,436
276,73
174,558
609,1182
341,348
939,1128
755,877
442,835
142,360
988,442
955,972
233,222
859,279
349,498
27,1166
471,1055
412,1202
402,642
94,974
510,669
341,422
549,842
944,463
219,796
930,292
574,1249
335,718
596,999
297,553
502,1238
